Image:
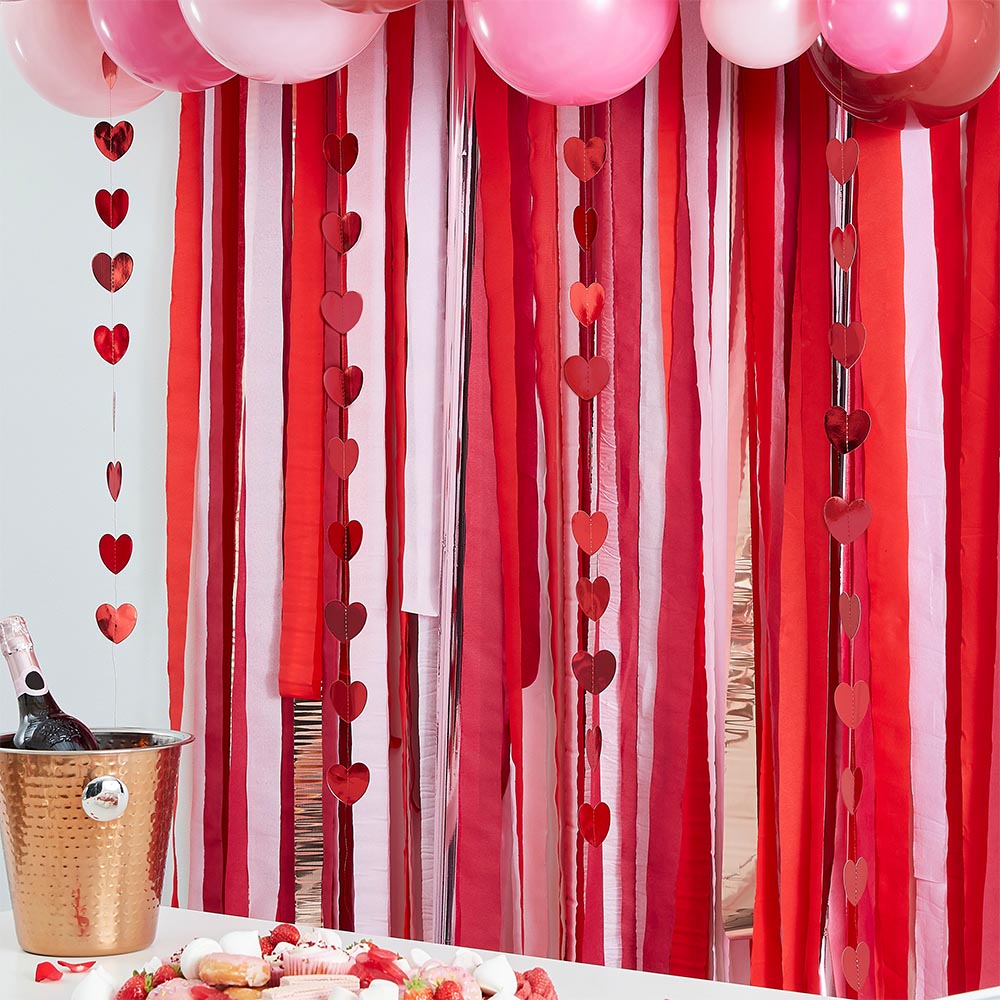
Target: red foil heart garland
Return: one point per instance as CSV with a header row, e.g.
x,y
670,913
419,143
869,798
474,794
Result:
x,y
115,552
111,208
116,624
112,273
111,344
114,141
348,783
585,159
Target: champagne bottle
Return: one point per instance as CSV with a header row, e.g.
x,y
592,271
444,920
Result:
x,y
43,726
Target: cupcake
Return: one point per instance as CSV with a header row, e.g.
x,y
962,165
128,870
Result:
x,y
315,960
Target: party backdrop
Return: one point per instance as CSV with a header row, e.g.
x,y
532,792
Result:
x,y
461,393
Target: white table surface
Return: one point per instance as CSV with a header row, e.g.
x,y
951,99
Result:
x,y
177,927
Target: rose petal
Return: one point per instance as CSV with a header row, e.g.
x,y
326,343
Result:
x,y
46,972
77,966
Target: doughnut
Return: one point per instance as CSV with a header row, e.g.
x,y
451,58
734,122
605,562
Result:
x,y
220,969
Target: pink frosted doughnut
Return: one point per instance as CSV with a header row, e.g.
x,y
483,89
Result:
x,y
435,973
182,989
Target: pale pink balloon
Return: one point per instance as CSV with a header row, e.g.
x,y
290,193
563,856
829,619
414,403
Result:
x,y
371,6
151,40
760,34
55,48
280,41
571,51
883,36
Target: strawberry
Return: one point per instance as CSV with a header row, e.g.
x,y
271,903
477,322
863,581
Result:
x,y
267,945
135,987
285,932
448,989
164,974
417,989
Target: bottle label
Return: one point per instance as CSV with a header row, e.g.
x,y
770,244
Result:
x,y
24,670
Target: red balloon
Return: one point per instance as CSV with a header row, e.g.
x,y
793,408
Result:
x,y
947,83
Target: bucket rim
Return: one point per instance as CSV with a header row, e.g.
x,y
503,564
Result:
x,y
170,738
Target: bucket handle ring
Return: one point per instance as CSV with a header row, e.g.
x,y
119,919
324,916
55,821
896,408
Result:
x,y
104,798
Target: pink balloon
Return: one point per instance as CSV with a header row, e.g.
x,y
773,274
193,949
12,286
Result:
x,y
280,41
371,6
151,40
883,36
571,51
760,34
55,49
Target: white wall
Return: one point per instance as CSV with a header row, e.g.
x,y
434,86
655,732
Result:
x,y
55,402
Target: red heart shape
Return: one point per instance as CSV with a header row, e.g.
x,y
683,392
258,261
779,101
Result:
x,y
590,530
593,596
341,231
842,159
110,70
342,456
855,880
594,742
345,540
46,972
586,301
594,673
595,823
116,623
345,622
585,226
341,312
587,378
852,702
341,152
114,476
585,159
343,387
848,342
112,208
850,614
856,962
115,552
111,344
112,274
845,246
348,783
846,431
349,700
851,785
113,141
847,522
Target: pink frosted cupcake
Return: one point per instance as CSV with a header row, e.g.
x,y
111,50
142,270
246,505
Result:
x,y
316,960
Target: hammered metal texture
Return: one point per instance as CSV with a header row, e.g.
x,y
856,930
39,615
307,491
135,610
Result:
x,y
81,887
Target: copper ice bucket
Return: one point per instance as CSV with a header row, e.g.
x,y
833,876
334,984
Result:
x,y
85,839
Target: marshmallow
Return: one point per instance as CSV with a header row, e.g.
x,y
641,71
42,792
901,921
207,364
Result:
x,y
326,936
496,975
339,993
419,957
282,946
241,943
468,960
380,989
192,955
96,985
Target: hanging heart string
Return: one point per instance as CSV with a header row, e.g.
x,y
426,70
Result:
x,y
847,521
112,272
587,374
342,310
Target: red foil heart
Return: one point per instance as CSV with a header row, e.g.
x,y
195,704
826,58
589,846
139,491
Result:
x,y
46,972
115,552
116,624
585,226
342,456
341,231
114,476
111,344
345,622
855,880
349,700
341,152
348,783
850,614
847,522
852,702
114,141
590,530
341,312
343,387
847,343
112,274
842,159
851,785
594,673
109,69
845,246
586,301
112,208
585,159
594,743
586,378
847,431
595,823
593,596
856,962
345,540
